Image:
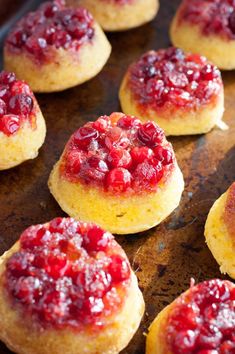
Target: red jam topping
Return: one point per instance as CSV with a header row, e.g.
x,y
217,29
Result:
x,y
51,27
213,16
118,153
68,273
229,212
16,104
203,320
170,78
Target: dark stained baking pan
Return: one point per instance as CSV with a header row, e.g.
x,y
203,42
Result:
x,y
167,256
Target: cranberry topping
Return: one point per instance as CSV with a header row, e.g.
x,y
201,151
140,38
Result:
x,y
171,79
203,319
119,154
68,273
213,16
16,103
51,27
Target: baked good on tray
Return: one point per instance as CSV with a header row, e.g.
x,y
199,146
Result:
x,y
118,173
119,15
180,91
201,320
67,287
22,126
55,48
220,231
208,28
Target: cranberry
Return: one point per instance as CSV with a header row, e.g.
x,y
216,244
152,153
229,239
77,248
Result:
x,y
9,124
65,273
74,161
148,174
213,312
21,104
7,78
85,135
128,122
4,92
3,108
118,179
116,137
140,154
94,169
163,155
97,240
150,134
119,269
101,124
119,158
169,78
51,26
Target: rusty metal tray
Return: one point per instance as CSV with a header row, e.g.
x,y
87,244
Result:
x,y
165,257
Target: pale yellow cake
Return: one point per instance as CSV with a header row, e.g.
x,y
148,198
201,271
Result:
x,y
220,232
22,334
113,16
189,37
182,92
180,121
68,68
183,325
130,195
24,144
120,215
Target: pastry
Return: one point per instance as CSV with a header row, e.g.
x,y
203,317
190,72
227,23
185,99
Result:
x,y
208,28
181,92
201,320
67,287
22,126
119,15
220,231
55,48
118,173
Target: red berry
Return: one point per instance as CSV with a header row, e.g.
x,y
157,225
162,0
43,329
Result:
x,y
118,180
7,78
85,135
119,158
128,122
116,138
163,155
74,160
119,268
101,124
3,108
94,169
20,104
96,239
150,134
140,154
9,124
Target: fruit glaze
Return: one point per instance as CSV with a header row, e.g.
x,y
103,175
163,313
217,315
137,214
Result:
x,y
67,273
51,27
17,104
213,16
170,79
203,320
119,154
